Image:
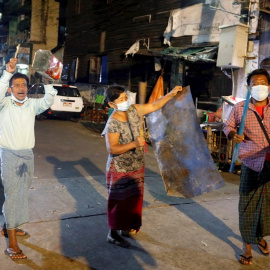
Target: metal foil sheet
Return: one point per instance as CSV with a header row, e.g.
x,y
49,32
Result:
x,y
184,160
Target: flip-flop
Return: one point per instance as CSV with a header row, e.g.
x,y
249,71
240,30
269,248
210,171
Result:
x,y
247,259
264,247
11,253
19,232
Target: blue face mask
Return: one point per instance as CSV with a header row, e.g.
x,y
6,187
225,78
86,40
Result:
x,y
122,107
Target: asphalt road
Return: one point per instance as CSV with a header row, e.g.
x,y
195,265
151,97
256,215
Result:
x,y
68,145
68,221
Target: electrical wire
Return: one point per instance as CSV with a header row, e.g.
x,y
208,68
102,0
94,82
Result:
x,y
221,8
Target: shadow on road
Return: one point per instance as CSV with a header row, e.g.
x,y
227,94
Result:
x,y
202,217
84,232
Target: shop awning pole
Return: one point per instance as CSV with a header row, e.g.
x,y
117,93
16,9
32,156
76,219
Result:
x,y
241,129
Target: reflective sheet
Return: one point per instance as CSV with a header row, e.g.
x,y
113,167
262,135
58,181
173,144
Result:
x,y
183,157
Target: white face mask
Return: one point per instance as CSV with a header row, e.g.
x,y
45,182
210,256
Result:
x,y
17,100
123,106
259,92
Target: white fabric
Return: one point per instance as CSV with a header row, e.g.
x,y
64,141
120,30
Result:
x,y
157,64
254,16
17,122
133,49
122,107
199,19
17,100
131,97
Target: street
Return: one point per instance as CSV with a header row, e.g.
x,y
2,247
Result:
x,y
68,222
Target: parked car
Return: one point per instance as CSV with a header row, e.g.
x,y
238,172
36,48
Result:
x,y
68,102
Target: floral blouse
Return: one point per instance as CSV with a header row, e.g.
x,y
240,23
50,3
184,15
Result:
x,y
133,159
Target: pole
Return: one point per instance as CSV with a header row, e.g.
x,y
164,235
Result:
x,y
241,129
142,96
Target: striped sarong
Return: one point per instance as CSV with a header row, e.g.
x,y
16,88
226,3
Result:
x,y
17,167
125,199
254,204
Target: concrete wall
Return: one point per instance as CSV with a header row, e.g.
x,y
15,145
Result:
x,y
44,24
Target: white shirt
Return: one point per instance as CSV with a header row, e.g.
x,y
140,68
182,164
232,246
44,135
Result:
x,y
17,122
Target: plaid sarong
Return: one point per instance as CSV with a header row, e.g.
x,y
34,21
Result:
x,y
254,204
17,167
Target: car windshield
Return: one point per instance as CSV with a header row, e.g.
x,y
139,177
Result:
x,y
36,89
67,91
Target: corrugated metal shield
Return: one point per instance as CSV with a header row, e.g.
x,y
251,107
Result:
x,y
184,160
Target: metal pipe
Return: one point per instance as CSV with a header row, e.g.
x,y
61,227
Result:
x,y
241,128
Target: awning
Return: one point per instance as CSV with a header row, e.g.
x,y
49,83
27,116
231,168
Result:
x,y
204,54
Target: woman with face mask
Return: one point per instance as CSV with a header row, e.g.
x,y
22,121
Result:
x,y
254,152
125,165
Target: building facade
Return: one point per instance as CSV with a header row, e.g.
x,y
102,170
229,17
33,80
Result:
x,y
100,35
32,24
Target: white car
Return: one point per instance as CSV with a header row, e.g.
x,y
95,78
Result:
x,y
68,102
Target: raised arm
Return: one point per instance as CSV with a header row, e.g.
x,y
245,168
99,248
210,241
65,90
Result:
x,y
157,104
4,80
46,102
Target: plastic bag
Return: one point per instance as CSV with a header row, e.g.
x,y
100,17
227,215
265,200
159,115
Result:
x,y
47,65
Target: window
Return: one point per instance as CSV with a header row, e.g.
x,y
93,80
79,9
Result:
x,y
102,41
32,90
98,71
40,89
103,76
73,72
94,69
36,89
67,91
266,4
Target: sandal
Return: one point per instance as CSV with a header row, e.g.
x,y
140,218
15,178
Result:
x,y
121,242
245,260
19,232
14,255
264,247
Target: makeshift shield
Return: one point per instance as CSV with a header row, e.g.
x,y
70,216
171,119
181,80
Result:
x,y
184,160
